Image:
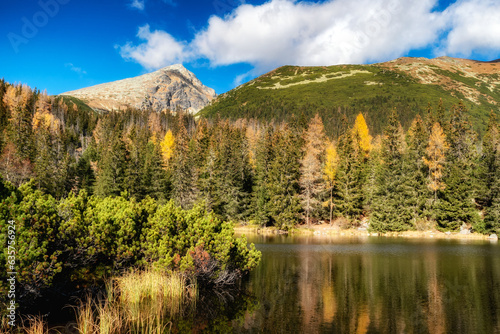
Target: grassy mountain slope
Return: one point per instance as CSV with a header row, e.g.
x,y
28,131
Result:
x,y
409,84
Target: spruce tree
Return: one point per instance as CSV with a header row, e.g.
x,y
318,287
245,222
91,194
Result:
x,y
112,172
350,176
284,174
185,175
416,139
490,176
455,205
226,176
393,209
261,193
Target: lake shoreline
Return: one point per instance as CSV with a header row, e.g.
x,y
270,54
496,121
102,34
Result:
x,y
319,230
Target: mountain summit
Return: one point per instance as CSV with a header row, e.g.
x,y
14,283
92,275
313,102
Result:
x,y
169,88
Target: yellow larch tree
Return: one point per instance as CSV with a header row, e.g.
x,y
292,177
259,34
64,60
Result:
x,y
330,171
362,134
435,158
167,147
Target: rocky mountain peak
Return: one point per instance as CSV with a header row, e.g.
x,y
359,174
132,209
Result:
x,y
169,88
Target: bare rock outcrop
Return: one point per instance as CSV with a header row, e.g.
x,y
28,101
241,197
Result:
x,y
169,88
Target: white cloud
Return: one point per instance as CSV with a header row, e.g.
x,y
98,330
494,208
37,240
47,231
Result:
x,y
160,49
293,32
75,69
138,4
304,33
474,26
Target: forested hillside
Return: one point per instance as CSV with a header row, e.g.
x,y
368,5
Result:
x,y
407,84
438,173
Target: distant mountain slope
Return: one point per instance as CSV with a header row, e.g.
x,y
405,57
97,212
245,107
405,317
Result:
x,y
170,88
408,84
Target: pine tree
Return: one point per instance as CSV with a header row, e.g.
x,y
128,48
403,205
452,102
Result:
x,y
311,178
226,176
392,208
350,177
136,142
490,176
284,174
261,193
455,206
84,174
185,175
112,172
156,179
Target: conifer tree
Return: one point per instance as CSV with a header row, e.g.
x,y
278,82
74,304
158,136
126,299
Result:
x,y
455,205
350,176
167,148
185,175
226,176
330,173
362,135
136,142
311,178
112,172
416,140
261,193
435,159
490,176
84,174
284,174
392,208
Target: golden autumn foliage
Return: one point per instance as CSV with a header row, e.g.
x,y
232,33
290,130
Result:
x,y
43,104
16,97
252,134
362,134
330,171
43,118
331,162
167,147
310,179
436,158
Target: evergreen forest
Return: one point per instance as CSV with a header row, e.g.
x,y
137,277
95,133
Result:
x,y
98,192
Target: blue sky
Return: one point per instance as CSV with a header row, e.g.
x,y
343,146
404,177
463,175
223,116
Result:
x,y
62,45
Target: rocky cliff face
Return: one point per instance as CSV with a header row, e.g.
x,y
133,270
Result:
x,y
169,88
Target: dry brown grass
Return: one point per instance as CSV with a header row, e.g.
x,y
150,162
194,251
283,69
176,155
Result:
x,y
137,302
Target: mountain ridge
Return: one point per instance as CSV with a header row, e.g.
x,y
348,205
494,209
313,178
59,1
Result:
x,y
407,84
168,88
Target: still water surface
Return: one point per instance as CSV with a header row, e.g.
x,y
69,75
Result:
x,y
369,285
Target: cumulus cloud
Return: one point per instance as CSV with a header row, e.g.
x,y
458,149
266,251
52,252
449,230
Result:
x,y
292,32
474,27
304,33
159,49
